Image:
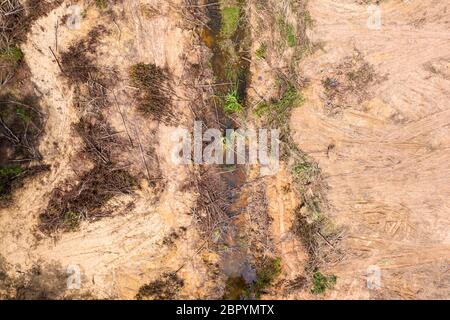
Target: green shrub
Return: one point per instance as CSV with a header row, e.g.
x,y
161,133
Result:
x,y
322,282
232,104
12,54
262,51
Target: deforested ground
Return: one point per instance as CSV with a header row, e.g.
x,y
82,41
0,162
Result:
x,y
91,205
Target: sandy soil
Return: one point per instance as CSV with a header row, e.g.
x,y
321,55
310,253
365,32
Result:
x,y
385,158
376,119
116,255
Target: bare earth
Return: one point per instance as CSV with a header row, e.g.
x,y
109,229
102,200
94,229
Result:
x,y
385,159
381,137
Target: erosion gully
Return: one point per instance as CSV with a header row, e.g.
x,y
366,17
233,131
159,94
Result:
x,y
236,257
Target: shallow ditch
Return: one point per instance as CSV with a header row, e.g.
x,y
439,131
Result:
x,y
230,67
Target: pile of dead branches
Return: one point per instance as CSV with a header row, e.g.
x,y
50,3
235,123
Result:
x,y
212,207
193,13
100,141
155,91
165,288
77,62
86,199
21,125
321,239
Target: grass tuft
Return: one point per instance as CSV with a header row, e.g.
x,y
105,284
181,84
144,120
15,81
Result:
x,y
12,54
230,21
262,51
322,282
232,104
279,112
287,31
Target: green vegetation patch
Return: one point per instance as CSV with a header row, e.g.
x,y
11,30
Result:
x,y
232,104
230,21
262,51
287,31
322,282
72,220
101,4
12,54
279,111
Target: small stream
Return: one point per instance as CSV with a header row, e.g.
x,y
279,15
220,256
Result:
x,y
236,259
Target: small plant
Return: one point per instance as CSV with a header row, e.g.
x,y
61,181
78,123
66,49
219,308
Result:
x,y
12,54
230,21
308,20
290,99
290,35
266,274
72,220
23,114
287,31
232,104
279,112
262,51
7,175
322,282
262,108
10,171
101,4
300,169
